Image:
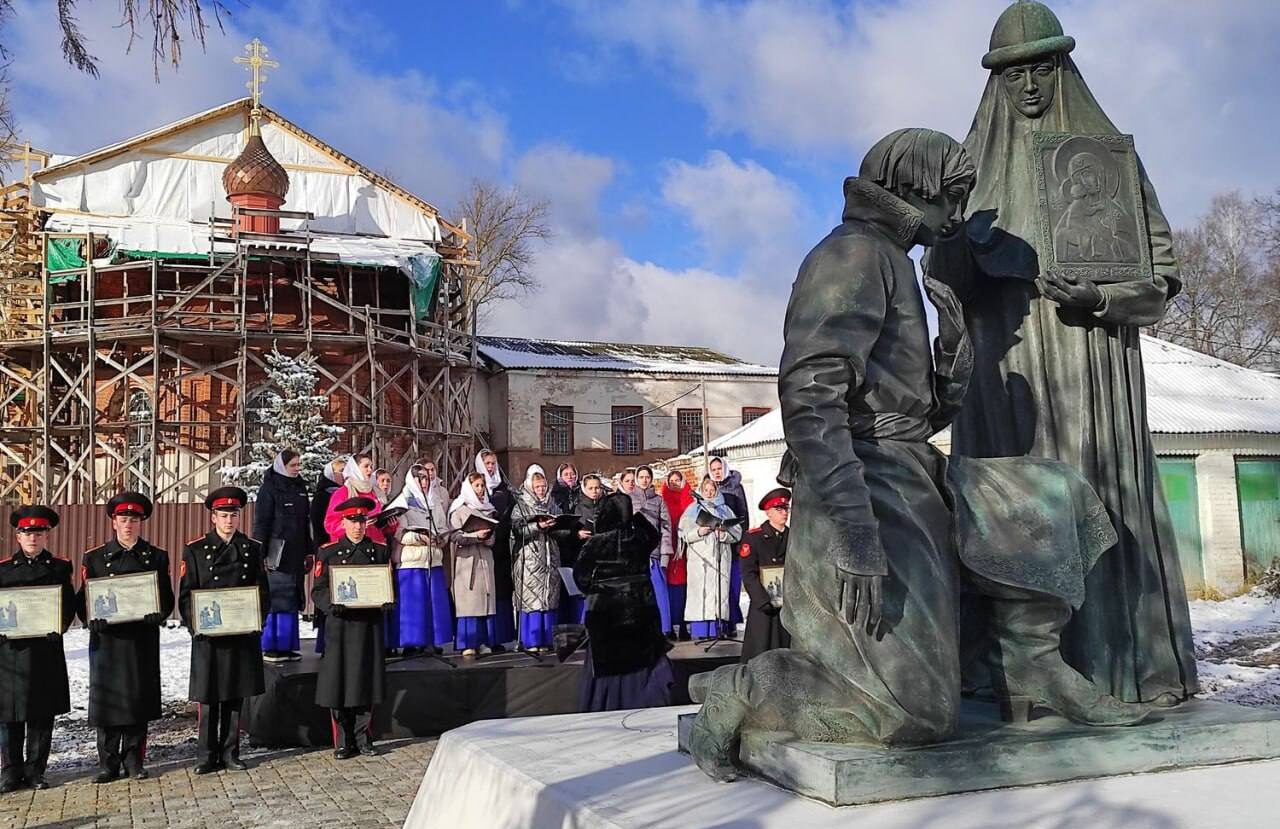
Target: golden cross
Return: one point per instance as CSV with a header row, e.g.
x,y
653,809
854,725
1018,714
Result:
x,y
255,59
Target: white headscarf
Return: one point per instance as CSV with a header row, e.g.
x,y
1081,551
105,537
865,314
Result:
x,y
352,474
490,481
279,466
411,495
468,498
336,477
527,494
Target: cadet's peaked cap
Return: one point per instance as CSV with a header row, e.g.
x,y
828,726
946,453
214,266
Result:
x,y
1026,31
130,503
357,507
226,499
33,518
777,497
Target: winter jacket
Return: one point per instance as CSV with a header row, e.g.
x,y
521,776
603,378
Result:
x,y
649,503
677,500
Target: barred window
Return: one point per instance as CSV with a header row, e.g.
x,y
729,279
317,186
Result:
x,y
750,413
688,429
628,430
557,430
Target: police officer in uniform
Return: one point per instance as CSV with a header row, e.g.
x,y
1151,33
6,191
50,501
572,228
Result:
x,y
224,669
33,671
351,679
765,546
124,658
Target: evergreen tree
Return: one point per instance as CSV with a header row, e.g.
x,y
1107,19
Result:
x,y
290,416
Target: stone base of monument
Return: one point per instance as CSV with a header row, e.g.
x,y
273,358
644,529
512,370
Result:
x,y
990,754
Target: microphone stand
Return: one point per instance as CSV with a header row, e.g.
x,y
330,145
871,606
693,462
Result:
x,y
721,624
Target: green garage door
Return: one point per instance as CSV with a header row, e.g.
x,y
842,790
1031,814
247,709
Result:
x,y
1178,479
1258,485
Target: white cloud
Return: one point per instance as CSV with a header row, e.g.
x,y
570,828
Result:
x,y
570,181
1192,81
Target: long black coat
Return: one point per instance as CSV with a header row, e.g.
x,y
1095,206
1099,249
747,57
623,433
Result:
x,y
763,547
124,660
504,503
283,513
623,623
223,667
351,671
33,672
319,509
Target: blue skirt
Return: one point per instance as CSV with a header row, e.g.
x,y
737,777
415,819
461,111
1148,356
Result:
x,y
441,608
504,623
735,593
474,631
537,628
678,594
659,580
707,629
414,619
280,632
647,688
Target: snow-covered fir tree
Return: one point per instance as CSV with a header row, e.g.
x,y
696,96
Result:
x,y
290,415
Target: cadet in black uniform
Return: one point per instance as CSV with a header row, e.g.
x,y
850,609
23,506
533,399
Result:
x,y
765,546
351,676
33,671
124,658
224,669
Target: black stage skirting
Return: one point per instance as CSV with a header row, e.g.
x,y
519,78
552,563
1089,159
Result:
x,y
427,696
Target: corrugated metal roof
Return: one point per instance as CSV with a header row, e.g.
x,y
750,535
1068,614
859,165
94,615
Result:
x,y
1187,393
517,353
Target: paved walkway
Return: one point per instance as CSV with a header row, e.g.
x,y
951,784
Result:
x,y
285,788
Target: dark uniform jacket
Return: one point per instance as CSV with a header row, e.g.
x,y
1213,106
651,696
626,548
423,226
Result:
x,y
504,503
763,547
623,623
33,672
351,672
223,667
124,660
282,515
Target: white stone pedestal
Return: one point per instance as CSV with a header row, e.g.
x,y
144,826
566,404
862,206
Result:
x,y
622,769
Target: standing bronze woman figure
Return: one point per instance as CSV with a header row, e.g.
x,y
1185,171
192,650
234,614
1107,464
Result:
x,y
1058,372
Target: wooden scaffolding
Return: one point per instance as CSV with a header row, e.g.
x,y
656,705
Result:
x,y
143,374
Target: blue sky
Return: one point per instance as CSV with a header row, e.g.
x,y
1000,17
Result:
x,y
691,150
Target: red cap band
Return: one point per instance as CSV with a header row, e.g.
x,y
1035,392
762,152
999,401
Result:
x,y
777,502
354,512
33,523
135,508
226,502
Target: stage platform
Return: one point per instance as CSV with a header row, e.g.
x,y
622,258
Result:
x,y
427,696
621,770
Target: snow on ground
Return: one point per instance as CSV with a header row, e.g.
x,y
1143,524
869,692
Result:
x,y
1238,649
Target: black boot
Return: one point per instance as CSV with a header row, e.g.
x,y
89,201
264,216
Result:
x,y
1032,672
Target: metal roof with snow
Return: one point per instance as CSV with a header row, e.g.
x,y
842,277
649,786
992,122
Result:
x,y
515,353
1187,393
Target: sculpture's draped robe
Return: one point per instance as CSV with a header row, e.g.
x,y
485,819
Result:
x,y
1068,384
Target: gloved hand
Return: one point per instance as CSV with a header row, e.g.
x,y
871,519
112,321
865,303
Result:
x,y
771,609
53,636
97,625
3,638
198,637
337,611
153,619
387,606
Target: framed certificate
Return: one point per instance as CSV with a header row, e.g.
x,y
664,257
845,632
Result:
x,y
123,598
361,585
229,611
771,579
30,612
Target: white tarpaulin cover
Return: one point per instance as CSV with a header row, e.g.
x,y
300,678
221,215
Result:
x,y
192,238
176,177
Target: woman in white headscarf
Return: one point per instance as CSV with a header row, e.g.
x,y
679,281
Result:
x,y
425,618
503,501
281,524
535,551
357,478
471,569
709,552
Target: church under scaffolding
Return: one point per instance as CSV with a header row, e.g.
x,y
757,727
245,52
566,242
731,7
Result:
x,y
157,277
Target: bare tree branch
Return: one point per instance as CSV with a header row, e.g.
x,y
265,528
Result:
x,y
504,225
1229,306
166,19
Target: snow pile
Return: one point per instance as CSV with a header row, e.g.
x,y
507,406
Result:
x,y
1238,649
